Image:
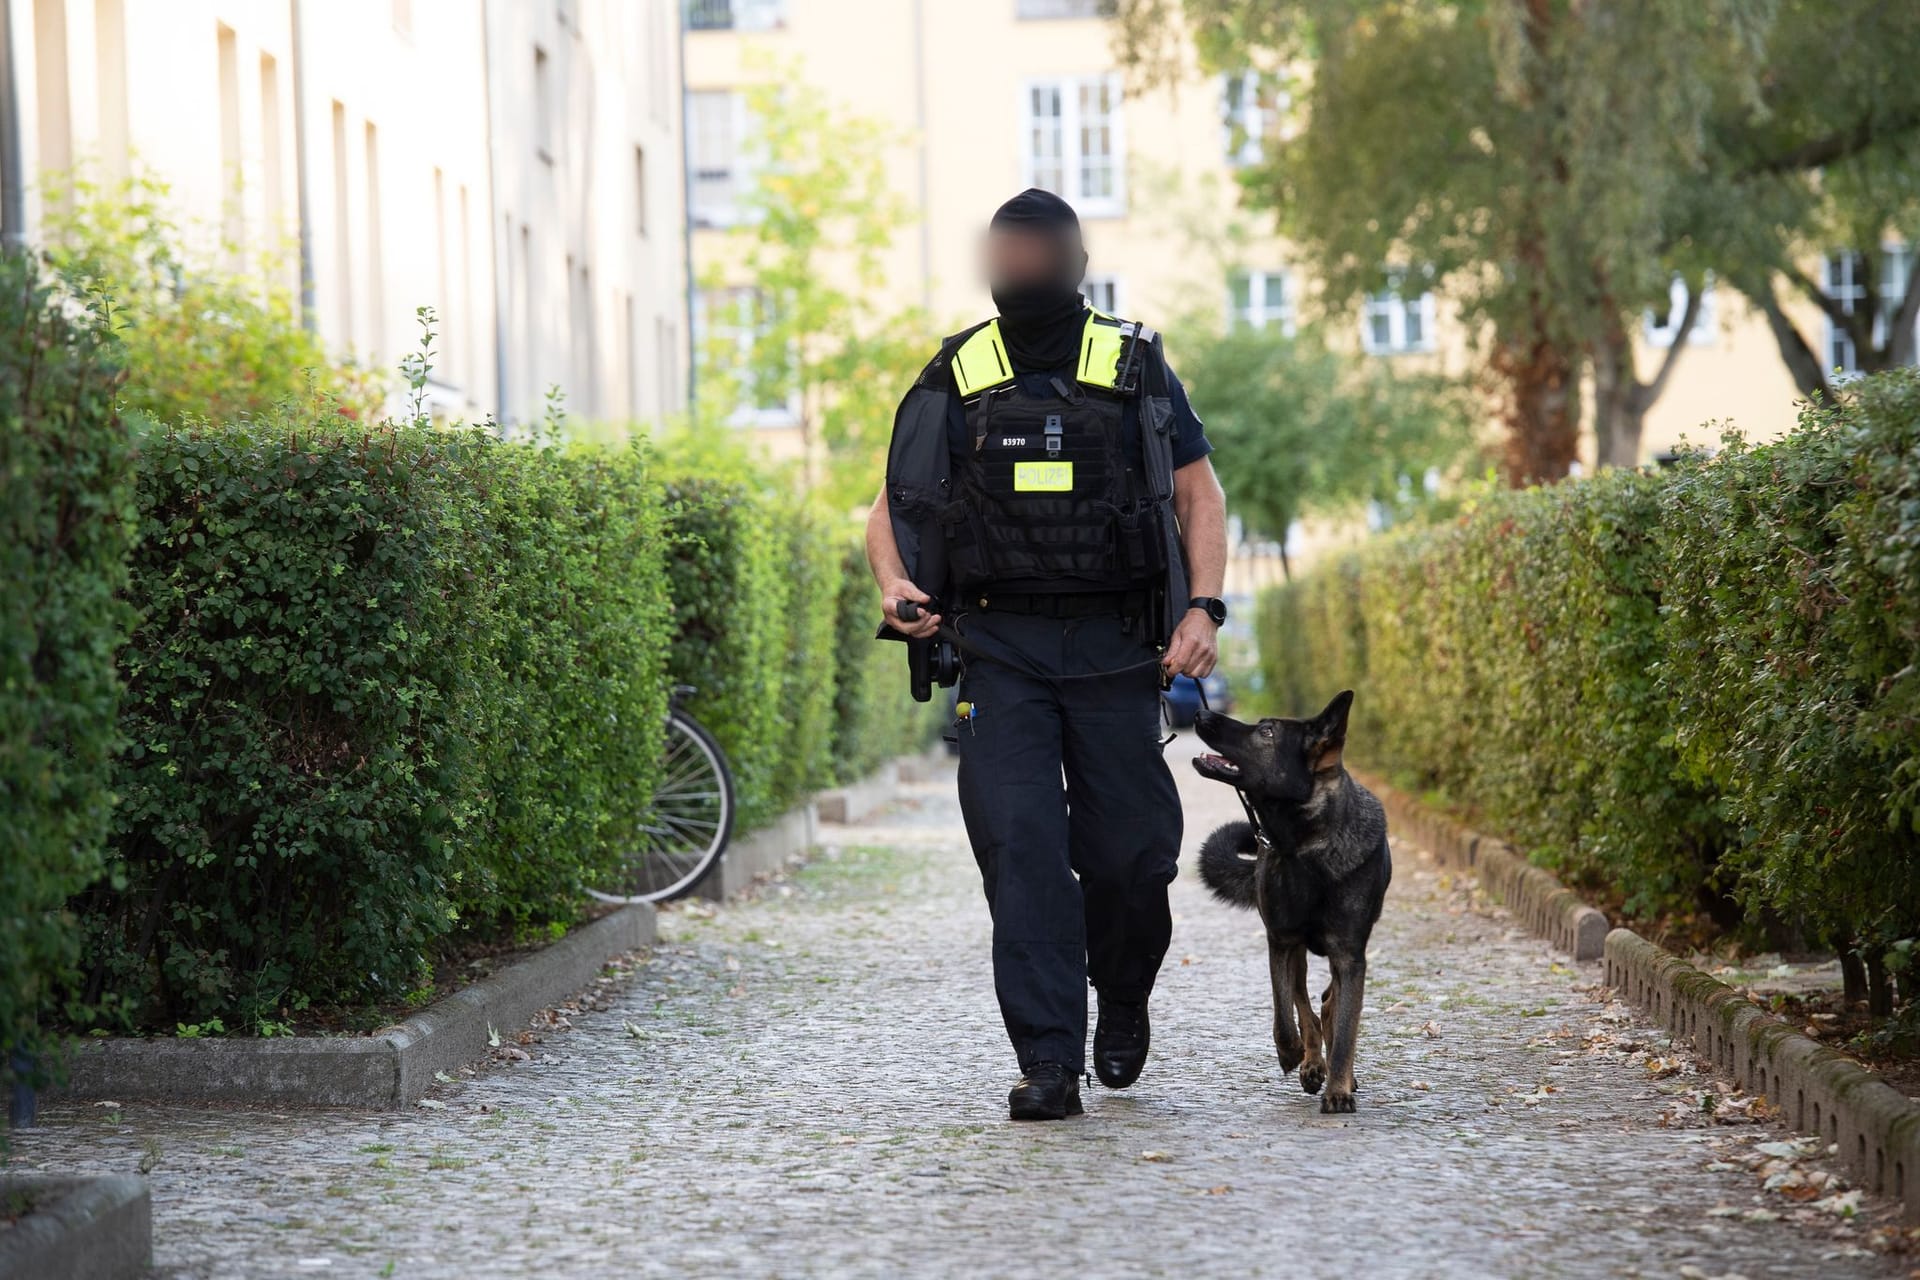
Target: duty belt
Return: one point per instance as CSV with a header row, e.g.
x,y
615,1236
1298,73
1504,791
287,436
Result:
x,y
1062,604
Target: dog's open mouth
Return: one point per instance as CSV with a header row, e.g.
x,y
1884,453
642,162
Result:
x,y
1217,767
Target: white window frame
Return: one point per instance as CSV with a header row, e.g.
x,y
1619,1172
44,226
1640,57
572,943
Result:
x,y
1394,306
1257,314
715,200
1072,158
1112,286
1843,287
743,337
742,15
1662,330
1244,120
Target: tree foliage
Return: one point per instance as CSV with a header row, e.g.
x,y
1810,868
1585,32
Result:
x,y
1301,426
817,219
211,332
1556,163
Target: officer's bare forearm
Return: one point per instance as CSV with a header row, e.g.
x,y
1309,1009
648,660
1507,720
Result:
x,y
883,553
1201,507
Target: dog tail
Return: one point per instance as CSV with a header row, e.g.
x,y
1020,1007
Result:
x,y
1228,864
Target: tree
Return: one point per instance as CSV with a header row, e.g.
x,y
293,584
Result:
x,y
815,224
1527,152
1825,164
1301,426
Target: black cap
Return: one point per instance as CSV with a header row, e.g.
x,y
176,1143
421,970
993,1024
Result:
x,y
1037,211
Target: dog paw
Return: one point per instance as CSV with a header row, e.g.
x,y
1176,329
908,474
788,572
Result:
x,y
1312,1076
1336,1101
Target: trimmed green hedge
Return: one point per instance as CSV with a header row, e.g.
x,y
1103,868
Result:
x,y
774,623
66,522
1676,686
388,683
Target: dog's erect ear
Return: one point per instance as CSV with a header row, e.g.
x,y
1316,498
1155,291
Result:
x,y
1330,733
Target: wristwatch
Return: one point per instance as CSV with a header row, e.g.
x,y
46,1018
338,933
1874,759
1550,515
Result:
x,y
1213,606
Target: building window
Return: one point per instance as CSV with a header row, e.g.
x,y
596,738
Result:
x,y
1073,142
542,104
730,327
1392,322
1103,292
1662,329
1067,8
716,128
1261,300
1249,103
736,15
1845,282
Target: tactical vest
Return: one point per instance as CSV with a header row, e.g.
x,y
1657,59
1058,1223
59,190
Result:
x,y
1051,494
1074,507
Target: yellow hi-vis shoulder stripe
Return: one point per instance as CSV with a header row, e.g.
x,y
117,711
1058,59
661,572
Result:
x,y
1100,348
981,362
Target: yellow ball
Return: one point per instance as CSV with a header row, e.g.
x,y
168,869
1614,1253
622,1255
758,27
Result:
x,y
964,710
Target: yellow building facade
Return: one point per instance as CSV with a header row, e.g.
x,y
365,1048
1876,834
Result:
x,y
991,96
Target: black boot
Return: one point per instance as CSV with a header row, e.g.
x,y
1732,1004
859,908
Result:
x,y
1120,1042
1046,1092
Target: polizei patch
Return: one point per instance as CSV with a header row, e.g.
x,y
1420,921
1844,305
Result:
x,y
1043,477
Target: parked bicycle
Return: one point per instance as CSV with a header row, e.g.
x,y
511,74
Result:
x,y
687,826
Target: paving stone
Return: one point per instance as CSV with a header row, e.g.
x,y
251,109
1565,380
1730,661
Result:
x,y
813,1083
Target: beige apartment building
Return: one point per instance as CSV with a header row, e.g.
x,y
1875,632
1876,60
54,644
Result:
x,y
991,96
514,164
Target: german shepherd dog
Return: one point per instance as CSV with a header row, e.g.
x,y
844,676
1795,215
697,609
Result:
x,y
1316,870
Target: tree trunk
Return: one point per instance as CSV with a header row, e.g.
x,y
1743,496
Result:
x,y
1809,374
1541,410
1621,400
1879,990
1853,976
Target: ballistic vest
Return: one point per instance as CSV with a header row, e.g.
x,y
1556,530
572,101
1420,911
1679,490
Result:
x,y
1013,505
1051,492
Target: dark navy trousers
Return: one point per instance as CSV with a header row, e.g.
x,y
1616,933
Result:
x,y
1073,818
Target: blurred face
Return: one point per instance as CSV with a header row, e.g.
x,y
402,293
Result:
x,y
1019,259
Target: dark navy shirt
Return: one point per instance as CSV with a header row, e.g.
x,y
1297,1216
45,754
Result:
x,y
1190,442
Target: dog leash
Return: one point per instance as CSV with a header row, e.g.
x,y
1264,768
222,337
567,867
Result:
x,y
1253,818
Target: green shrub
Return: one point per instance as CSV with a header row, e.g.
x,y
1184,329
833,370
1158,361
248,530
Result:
x,y
875,717
726,574
66,523
387,682
1789,647
1672,686
576,654
811,665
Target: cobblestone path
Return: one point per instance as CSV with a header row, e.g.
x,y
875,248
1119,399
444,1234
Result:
x,y
813,1083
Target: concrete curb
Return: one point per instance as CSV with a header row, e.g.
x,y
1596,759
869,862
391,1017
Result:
x,y
390,1070
1534,895
1819,1091
791,835
1875,1127
858,799
80,1228
923,766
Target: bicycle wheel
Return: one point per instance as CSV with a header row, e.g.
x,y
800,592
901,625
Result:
x,y
688,824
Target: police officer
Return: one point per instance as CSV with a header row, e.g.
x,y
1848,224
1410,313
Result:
x,y
1048,501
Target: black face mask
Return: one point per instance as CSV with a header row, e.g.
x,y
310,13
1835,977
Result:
x,y
1041,322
